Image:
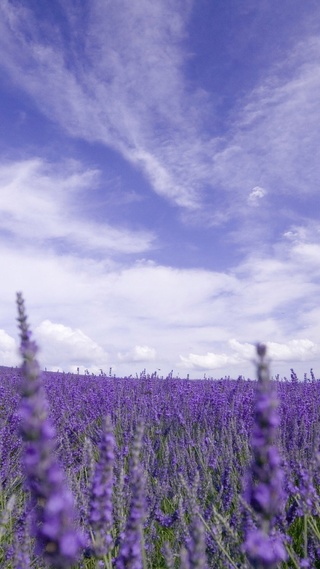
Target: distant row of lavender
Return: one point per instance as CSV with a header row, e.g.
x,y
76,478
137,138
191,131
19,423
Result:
x,y
146,473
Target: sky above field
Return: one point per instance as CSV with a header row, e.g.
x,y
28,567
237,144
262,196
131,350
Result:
x,y
159,184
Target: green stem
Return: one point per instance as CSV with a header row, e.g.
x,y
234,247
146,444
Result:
x,y
314,527
292,557
305,536
144,558
218,542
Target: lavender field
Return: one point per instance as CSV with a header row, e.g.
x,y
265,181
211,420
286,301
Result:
x,y
150,473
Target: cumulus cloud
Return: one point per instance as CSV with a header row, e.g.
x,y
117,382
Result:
x,y
96,312
63,346
244,351
294,351
298,350
138,354
241,353
8,350
209,361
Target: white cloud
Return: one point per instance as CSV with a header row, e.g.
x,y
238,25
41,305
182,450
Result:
x,y
8,350
307,231
304,246
39,203
129,91
245,351
294,350
298,350
273,139
108,315
308,254
210,361
63,346
296,233
170,295
138,354
255,195
242,353
271,283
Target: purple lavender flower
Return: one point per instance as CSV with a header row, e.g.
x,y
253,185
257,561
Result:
x,y
264,551
100,517
165,520
227,488
264,493
57,539
197,544
168,556
184,559
305,494
130,554
21,544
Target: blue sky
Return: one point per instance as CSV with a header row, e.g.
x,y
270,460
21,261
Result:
x,y
159,183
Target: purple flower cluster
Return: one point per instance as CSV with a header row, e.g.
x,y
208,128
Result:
x,y
130,554
306,497
57,539
189,469
197,544
100,516
265,494
165,520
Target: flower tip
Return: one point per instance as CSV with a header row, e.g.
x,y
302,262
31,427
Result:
x,y
261,350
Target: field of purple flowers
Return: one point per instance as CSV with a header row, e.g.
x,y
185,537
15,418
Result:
x,y
149,474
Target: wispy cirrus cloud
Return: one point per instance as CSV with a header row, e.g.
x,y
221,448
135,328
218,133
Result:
x,y
127,92
273,140
40,204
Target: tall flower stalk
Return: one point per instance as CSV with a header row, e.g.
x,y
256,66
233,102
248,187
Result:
x,y
100,516
264,493
57,539
131,554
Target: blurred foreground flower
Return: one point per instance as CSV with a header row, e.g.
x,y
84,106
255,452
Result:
x,y
263,547
57,538
100,518
130,553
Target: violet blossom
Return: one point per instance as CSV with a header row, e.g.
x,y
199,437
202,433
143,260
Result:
x,y
57,539
130,553
100,516
263,547
197,544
